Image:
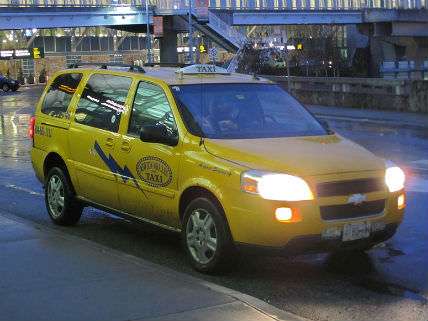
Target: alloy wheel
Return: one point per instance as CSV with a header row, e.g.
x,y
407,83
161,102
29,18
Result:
x,y
55,194
201,236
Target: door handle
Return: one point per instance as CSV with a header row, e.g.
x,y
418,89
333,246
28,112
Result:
x,y
109,142
126,146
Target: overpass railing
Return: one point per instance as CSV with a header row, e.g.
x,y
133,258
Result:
x,y
203,5
317,4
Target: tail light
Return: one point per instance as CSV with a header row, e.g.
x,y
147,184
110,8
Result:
x,y
31,125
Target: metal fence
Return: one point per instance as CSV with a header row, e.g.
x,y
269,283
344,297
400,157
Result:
x,y
228,4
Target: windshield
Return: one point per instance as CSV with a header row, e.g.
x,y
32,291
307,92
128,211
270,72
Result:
x,y
236,111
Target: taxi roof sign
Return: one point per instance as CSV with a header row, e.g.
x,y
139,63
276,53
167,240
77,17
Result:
x,y
202,69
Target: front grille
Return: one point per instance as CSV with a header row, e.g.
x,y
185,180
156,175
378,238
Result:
x,y
365,185
346,211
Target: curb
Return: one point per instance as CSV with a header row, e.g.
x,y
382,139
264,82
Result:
x,y
257,304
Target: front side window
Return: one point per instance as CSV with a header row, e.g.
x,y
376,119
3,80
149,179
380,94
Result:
x,y
59,95
151,107
103,101
239,111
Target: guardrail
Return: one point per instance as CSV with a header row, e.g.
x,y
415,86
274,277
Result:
x,y
370,93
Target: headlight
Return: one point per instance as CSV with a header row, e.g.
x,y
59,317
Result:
x,y
394,177
275,186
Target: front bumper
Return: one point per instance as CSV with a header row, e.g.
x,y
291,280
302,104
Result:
x,y
315,244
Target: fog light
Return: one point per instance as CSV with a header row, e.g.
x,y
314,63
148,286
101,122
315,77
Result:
x,y
286,214
401,202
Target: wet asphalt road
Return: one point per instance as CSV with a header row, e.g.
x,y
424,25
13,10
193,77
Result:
x,y
389,283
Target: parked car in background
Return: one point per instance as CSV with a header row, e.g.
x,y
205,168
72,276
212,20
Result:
x,y
7,84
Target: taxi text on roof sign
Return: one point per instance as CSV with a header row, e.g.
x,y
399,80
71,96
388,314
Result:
x,y
202,69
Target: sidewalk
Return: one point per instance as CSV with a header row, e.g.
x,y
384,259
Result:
x,y
46,275
412,120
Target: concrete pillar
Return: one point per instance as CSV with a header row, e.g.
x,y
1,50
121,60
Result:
x,y
168,43
355,39
376,56
417,51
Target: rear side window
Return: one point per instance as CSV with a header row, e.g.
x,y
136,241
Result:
x,y
59,95
102,101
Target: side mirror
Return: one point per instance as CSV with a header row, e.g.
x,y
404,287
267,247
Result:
x,y
326,126
158,134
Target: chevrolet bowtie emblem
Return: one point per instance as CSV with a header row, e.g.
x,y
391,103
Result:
x,y
357,199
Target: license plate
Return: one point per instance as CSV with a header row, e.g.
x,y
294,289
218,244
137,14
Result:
x,y
356,231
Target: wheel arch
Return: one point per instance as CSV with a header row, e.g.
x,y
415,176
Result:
x,y
53,159
193,191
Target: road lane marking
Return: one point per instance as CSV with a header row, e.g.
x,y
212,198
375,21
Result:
x,y
23,189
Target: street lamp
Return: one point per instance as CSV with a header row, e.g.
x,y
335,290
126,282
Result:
x,y
190,33
148,36
290,48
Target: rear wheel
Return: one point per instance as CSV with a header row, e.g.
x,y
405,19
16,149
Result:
x,y
206,236
5,87
62,206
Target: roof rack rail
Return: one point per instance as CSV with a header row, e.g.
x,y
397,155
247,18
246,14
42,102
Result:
x,y
166,64
104,65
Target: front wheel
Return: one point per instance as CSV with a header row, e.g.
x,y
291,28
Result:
x,y
206,236
62,206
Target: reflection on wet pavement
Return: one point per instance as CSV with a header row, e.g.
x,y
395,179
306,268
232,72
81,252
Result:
x,y
15,112
360,266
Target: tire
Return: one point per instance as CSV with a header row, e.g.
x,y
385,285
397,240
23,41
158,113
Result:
x,y
206,237
5,87
61,204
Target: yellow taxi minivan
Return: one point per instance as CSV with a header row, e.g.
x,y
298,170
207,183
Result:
x,y
231,161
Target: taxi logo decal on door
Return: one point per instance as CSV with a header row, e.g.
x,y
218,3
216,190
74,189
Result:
x,y
154,171
114,167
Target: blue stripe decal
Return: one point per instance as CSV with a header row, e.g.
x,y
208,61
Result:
x,y
114,167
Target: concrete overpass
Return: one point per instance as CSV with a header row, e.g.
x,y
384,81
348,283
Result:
x,y
398,22
27,17
21,14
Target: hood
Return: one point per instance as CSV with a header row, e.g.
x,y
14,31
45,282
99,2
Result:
x,y
303,156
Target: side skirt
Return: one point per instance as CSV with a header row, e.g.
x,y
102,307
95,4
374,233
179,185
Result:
x,y
125,215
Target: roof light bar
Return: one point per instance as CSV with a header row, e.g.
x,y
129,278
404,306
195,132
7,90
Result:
x,y
202,70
